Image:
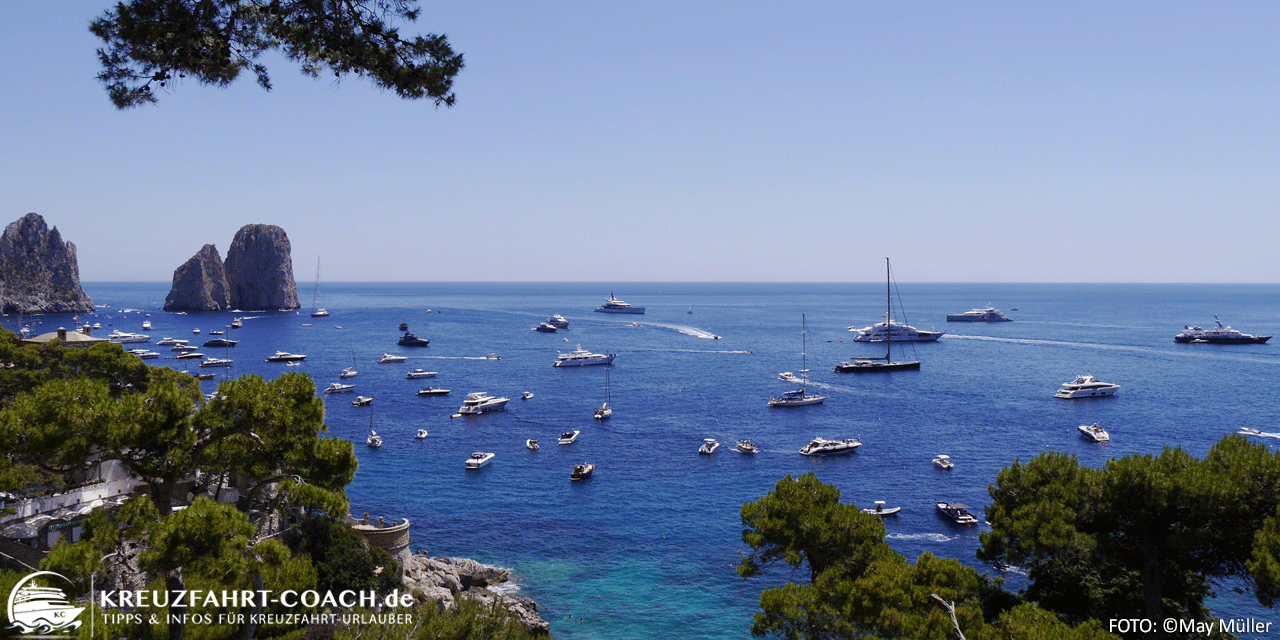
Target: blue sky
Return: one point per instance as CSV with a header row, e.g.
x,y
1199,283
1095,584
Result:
x,y
690,141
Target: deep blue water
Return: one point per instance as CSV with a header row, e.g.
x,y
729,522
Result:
x,y
646,548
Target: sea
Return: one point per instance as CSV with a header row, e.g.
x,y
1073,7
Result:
x,y
646,548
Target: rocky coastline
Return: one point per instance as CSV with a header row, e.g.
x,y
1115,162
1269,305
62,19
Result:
x,y
257,274
38,270
447,579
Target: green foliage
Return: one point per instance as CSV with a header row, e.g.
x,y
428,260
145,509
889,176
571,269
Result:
x,y
341,559
162,41
468,619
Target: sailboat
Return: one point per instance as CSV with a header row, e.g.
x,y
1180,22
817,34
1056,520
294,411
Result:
x,y
315,298
374,440
605,410
871,364
350,371
799,397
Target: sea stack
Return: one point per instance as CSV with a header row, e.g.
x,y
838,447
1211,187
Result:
x,y
260,269
200,284
38,271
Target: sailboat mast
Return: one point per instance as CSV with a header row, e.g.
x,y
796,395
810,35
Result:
x,y
888,314
804,357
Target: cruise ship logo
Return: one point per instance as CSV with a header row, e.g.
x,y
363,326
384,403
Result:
x,y
42,609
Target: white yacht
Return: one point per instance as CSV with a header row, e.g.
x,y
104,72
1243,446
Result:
x,y
338,387
429,391
824,447
745,446
1086,387
956,512
605,410
1094,433
349,372
581,357
989,314
943,461
479,459
528,395
569,437
170,341
1218,335
881,510
419,373
545,327
799,397
361,401
895,331
146,325
144,354
614,305
188,355
558,321
285,356
479,402
709,446
217,362
787,376
124,336
387,358
422,433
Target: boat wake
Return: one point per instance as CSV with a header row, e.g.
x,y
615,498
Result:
x,y
688,331
1255,432
927,537
1196,353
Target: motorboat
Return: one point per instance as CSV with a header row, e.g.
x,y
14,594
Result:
x,y
221,342
194,331
97,325
217,332
422,433
605,410
581,357
891,331
787,376
709,446
1094,433
122,337
404,326
285,356
614,305
1217,335
429,391
206,376
558,321
419,373
545,327
823,447
1250,431
979,315
189,355
799,397
374,440
183,347
531,444
582,471
881,510
295,363
478,459
1086,387
569,437
410,340
319,313
361,401
943,461
144,354
479,402
338,387
493,356
745,446
167,341
388,358
526,395
146,325
217,362
237,323
349,372
956,513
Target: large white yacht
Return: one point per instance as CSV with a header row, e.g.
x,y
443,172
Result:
x,y
1094,433
1218,335
285,356
558,321
480,402
1086,387
824,447
979,315
614,305
216,362
479,459
388,358
419,373
124,336
895,331
338,387
581,357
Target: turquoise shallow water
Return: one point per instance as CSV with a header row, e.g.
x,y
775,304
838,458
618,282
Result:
x,y
645,549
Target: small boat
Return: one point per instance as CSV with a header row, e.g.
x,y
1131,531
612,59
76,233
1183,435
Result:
x,y
221,342
217,362
943,461
787,376
881,510
493,356
195,331
605,410
349,372
569,437
419,373
404,326
481,402
422,433
374,440
1094,433
388,358
745,446
206,376
285,356
237,323
799,397
295,363
526,395
478,459
531,444
361,401
1086,387
545,327
429,391
146,325
97,325
823,447
217,332
690,311
558,321
144,354
956,513
410,340
338,387
189,355
582,471
989,314
709,446
614,305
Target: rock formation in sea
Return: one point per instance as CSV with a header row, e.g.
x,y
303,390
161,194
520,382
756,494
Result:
x,y
446,579
38,271
200,284
260,269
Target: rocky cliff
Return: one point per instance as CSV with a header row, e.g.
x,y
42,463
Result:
x,y
447,579
258,274
200,284
38,271
260,269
